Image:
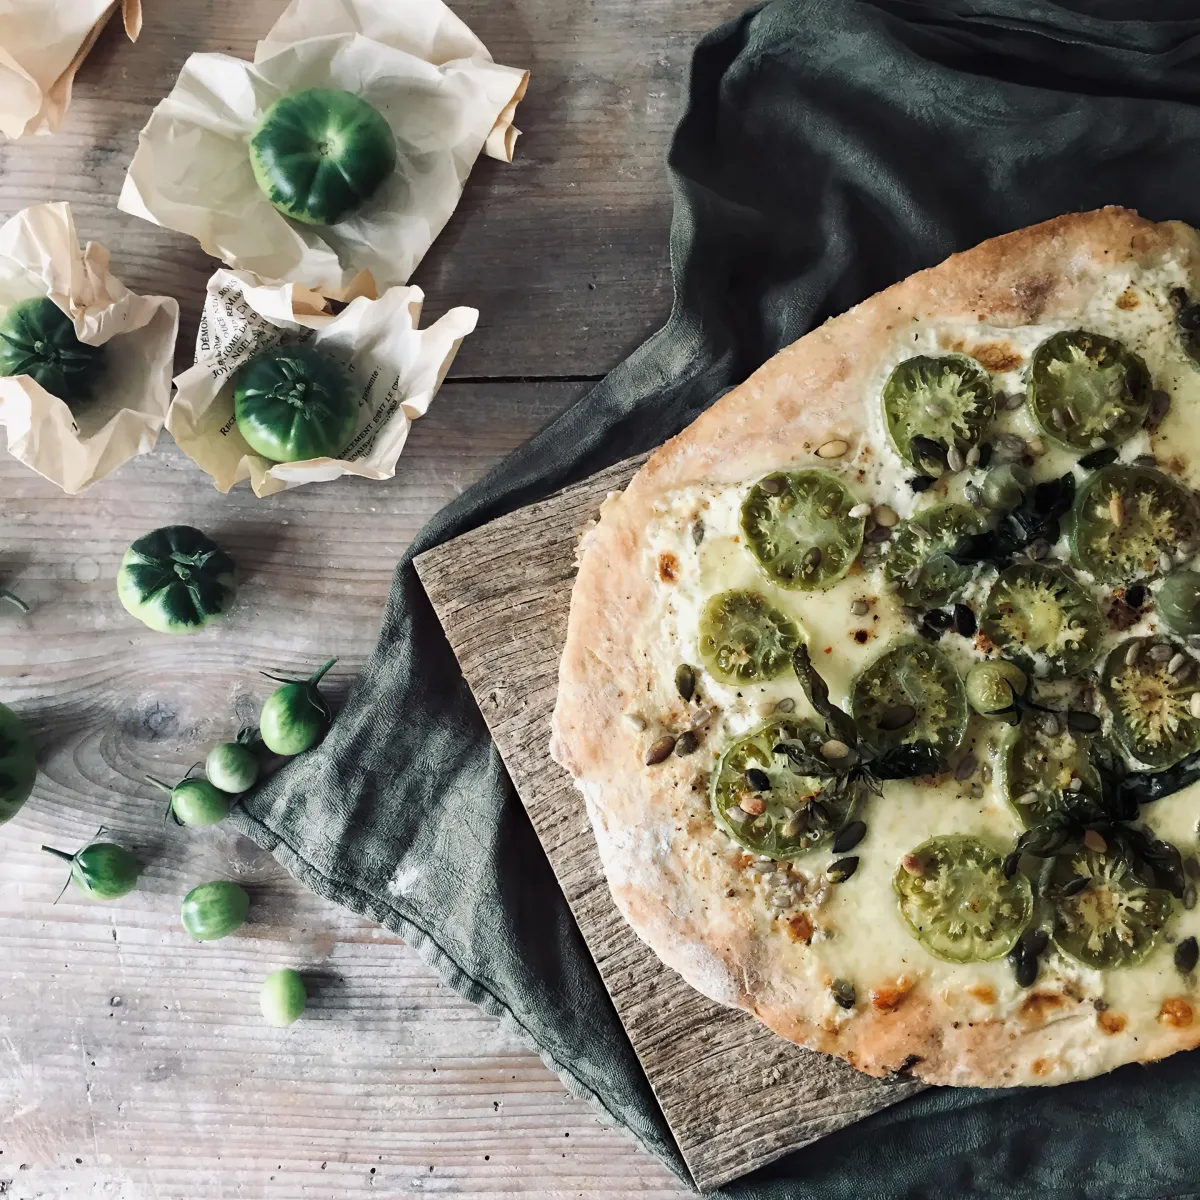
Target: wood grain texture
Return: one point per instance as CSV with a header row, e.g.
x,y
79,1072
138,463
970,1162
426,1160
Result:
x,y
133,1062
563,251
735,1095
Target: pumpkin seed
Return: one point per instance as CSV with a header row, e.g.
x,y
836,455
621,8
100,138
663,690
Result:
x,y
818,814
1160,405
660,750
849,836
966,767
843,993
760,781
1083,722
921,483
964,621
1186,955
786,705
897,717
834,750
685,680
1101,456
842,869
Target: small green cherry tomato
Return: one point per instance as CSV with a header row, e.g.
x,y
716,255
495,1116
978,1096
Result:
x,y
1085,387
195,801
283,997
919,561
1127,523
18,767
101,870
1178,602
744,639
38,339
794,812
320,154
293,403
231,766
946,400
908,694
176,580
1150,702
955,899
214,910
797,524
992,688
296,715
1041,617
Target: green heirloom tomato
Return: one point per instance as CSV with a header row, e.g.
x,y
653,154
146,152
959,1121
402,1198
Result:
x,y
195,801
295,716
38,339
955,899
1148,685
919,561
945,402
283,997
1178,602
992,688
743,639
233,766
214,910
102,870
18,769
293,403
1085,387
1040,769
320,154
176,580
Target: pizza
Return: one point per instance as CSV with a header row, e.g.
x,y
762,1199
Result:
x,y
881,680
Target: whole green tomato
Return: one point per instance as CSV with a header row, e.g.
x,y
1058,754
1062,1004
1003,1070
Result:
x,y
38,339
195,801
233,766
102,870
283,997
18,768
214,910
176,580
296,715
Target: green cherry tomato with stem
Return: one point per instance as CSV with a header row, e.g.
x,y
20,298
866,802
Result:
x,y
18,767
233,766
102,870
194,801
214,910
283,997
296,715
992,689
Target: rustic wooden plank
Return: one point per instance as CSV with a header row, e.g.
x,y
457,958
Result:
x,y
177,1090
735,1095
564,251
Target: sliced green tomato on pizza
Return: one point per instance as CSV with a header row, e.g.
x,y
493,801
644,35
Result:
x,y
946,401
910,693
1178,603
744,639
797,524
1111,921
1086,389
954,897
1040,617
1039,769
919,561
795,811
1125,519
1148,684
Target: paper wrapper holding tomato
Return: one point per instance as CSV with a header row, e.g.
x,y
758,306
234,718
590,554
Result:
x,y
108,353
424,72
42,44
395,367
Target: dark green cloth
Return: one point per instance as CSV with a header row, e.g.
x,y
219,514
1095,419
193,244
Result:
x,y
828,148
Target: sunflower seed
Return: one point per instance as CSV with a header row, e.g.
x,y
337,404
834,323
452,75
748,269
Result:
x,y
954,459
1036,446
685,680
1025,799
985,773
701,716
897,717
1189,897
1038,549
1010,444
698,533
1116,510
1132,654
1177,663
976,791
1194,705
1093,841
1012,401
834,750
687,743
1187,953
834,448
843,993
1051,726
773,485
859,511
973,457
739,816
1062,418
1098,443
636,720
786,705
841,870
885,514
1191,866
966,767
660,750
859,608
973,495
1075,784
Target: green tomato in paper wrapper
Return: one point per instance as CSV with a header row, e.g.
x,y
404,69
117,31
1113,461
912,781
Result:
x,y
293,403
38,339
320,154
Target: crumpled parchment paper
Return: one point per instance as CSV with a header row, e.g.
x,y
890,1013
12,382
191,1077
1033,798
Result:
x,y
418,64
42,43
40,256
399,366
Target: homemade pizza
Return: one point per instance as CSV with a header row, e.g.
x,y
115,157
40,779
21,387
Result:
x,y
882,680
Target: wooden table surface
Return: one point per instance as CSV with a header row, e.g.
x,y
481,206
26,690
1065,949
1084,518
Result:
x,y
133,1062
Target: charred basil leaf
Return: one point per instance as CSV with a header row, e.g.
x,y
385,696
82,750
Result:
x,y
1038,517
838,723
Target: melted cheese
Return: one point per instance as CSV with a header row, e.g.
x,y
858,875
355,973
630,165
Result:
x,y
860,932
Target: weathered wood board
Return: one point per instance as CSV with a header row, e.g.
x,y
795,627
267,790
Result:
x,y
735,1095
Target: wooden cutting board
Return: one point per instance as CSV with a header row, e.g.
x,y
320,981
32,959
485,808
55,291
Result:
x,y
735,1095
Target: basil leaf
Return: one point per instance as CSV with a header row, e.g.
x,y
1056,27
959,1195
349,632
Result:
x,y
837,722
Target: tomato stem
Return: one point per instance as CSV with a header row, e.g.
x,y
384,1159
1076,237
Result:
x,y
158,783
59,854
13,599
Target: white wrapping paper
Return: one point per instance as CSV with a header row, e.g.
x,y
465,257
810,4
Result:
x,y
42,43
192,169
40,256
399,367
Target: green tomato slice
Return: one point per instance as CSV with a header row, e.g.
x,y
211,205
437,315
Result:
x,y
1125,519
1115,920
798,525
1038,769
1041,617
958,904
1178,603
787,824
743,639
1085,387
910,676
947,399
919,561
1150,707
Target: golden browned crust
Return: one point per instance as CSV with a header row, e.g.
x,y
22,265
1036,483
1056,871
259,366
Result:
x,y
668,867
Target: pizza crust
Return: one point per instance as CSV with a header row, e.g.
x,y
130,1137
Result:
x,y
673,874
